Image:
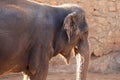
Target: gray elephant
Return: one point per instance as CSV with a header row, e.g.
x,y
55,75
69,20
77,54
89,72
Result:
x,y
32,33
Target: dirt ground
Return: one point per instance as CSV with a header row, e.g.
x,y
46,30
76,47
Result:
x,y
64,76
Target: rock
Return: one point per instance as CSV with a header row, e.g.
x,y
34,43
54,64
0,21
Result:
x,y
106,64
112,6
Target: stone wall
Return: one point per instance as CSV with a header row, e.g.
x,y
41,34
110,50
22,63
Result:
x,y
103,17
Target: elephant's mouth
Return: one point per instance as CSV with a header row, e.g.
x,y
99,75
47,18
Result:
x,y
76,50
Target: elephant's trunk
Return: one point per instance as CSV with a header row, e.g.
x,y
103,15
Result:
x,y
83,60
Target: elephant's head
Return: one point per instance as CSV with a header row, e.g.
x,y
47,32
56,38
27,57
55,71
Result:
x,y
73,35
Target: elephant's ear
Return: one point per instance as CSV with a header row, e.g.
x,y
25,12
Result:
x,y
67,25
74,24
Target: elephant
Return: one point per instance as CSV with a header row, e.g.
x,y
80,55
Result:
x,y
31,33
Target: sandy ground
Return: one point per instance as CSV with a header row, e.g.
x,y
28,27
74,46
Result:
x,y
63,76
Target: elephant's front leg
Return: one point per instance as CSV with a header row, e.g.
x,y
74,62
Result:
x,y
25,76
41,73
38,65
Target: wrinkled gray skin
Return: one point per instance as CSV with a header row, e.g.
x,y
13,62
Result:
x,y
32,33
